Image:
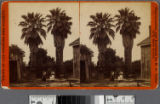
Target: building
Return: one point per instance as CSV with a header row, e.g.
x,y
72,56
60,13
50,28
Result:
x,y
15,63
81,60
145,58
76,58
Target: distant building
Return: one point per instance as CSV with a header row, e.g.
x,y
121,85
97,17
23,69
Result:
x,y
81,60
145,58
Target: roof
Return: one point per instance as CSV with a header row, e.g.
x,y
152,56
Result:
x,y
145,42
74,43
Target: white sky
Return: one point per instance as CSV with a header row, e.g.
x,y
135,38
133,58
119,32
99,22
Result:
x,y
72,9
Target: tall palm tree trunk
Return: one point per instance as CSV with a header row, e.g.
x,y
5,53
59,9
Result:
x,y
33,50
101,60
59,44
128,45
59,55
127,59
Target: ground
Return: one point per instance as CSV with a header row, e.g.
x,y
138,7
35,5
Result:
x,y
40,83
116,83
94,83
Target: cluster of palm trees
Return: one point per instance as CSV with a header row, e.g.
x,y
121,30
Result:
x,y
33,30
102,30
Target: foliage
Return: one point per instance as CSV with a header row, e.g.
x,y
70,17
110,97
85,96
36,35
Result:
x,y
112,62
101,28
101,32
16,51
68,67
44,62
136,67
59,23
127,22
85,50
32,27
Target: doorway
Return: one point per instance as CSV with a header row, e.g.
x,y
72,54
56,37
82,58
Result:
x,y
82,71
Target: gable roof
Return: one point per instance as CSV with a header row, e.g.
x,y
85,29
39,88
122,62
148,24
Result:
x,y
76,42
145,42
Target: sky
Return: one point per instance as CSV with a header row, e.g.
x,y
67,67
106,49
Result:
x,y
79,28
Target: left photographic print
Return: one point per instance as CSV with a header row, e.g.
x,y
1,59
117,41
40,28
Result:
x,y
40,38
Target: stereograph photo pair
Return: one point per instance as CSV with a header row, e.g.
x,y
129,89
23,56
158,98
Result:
x,y
79,45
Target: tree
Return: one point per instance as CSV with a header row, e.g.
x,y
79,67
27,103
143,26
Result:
x,y
85,50
136,66
112,62
128,24
16,51
68,68
32,30
101,33
44,62
59,24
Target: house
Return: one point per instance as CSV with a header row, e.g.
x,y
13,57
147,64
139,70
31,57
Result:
x,y
145,58
81,60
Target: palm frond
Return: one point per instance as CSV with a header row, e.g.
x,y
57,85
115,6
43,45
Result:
x,y
58,22
101,28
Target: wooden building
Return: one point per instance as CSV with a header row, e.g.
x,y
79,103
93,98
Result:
x,y
76,58
145,58
81,61
15,63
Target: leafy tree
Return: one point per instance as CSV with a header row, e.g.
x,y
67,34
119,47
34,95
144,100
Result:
x,y
44,62
85,50
136,66
16,51
68,68
112,62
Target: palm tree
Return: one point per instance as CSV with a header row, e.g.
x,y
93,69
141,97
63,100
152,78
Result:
x,y
128,24
32,30
59,24
101,33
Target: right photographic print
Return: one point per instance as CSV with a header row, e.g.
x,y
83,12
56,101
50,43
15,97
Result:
x,y
115,43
